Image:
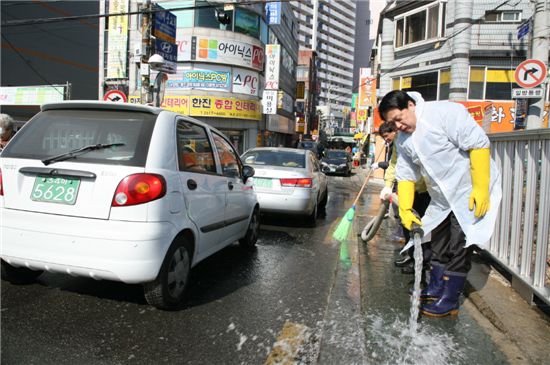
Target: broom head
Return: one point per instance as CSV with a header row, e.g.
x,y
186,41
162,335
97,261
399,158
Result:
x,y
342,231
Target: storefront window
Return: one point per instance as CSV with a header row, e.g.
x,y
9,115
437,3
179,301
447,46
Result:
x,y
425,84
444,84
247,22
491,84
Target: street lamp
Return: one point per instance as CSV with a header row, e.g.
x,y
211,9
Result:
x,y
156,92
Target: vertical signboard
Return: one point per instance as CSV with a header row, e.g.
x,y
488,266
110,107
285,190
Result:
x,y
117,41
273,57
367,89
269,101
273,12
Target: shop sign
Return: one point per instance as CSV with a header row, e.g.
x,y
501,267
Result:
x,y
228,52
183,42
164,25
213,106
273,12
245,81
527,93
285,102
273,60
367,89
175,103
206,79
269,102
169,51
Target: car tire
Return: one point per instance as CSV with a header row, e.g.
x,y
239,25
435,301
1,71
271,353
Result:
x,y
19,275
312,218
323,202
168,289
248,242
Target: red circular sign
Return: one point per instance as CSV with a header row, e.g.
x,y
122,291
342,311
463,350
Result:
x,y
115,96
530,73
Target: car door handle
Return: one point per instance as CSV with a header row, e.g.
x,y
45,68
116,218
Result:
x,y
230,185
191,184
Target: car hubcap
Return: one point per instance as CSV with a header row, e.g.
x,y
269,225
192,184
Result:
x,y
254,227
177,276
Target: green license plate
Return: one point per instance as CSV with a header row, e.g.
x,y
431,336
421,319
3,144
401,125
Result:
x,y
62,190
262,183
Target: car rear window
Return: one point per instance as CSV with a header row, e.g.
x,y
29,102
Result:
x,y
337,154
54,132
275,158
307,145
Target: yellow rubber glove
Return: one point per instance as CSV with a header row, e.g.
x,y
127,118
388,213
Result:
x,y
405,194
480,170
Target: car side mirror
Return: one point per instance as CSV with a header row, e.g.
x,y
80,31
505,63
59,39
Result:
x,y
248,171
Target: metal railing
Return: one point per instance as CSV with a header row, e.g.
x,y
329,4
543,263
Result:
x,y
521,238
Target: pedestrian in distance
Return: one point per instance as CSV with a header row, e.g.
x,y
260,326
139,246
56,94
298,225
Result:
x,y
388,131
7,130
440,142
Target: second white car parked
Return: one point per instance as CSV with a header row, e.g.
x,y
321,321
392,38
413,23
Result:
x,y
121,192
288,180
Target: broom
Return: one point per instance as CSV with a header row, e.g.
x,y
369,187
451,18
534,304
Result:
x,y
344,227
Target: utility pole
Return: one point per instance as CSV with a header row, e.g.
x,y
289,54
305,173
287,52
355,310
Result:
x,y
539,51
146,52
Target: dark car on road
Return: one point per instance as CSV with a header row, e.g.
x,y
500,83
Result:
x,y
336,162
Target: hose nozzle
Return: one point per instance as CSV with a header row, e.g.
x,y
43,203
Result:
x,y
416,229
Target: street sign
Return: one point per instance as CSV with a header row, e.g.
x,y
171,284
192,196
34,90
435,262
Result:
x,y
164,25
116,96
527,93
169,51
530,73
524,28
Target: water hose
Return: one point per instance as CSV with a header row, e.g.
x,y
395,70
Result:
x,y
373,225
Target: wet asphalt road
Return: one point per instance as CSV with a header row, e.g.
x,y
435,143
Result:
x,y
238,304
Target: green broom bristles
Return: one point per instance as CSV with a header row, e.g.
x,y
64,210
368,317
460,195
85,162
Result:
x,y
342,231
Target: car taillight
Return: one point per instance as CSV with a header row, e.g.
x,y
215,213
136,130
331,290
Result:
x,y
1,185
139,189
301,183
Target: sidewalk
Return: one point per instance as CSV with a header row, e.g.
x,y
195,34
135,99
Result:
x,y
520,330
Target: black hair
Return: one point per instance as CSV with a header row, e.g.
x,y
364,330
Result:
x,y
396,99
387,127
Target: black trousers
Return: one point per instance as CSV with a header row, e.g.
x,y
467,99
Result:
x,y
448,249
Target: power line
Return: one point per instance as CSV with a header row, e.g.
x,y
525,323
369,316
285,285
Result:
x,y
16,23
27,62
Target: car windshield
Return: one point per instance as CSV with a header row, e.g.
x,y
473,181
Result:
x,y
336,154
275,158
57,132
307,145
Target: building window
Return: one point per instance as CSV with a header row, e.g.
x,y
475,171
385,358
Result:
x,y
426,84
491,84
503,16
207,18
247,22
420,25
184,17
444,84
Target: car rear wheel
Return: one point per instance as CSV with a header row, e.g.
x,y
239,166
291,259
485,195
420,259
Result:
x,y
323,202
19,275
249,240
312,218
168,289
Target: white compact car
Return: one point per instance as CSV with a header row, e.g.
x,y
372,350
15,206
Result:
x,y
121,192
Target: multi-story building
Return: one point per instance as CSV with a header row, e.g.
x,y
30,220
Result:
x,y
215,63
328,27
307,92
464,51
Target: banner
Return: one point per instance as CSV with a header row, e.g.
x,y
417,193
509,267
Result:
x,y
31,95
206,79
500,114
117,41
367,89
273,12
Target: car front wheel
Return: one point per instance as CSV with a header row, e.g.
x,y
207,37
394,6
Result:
x,y
168,289
249,240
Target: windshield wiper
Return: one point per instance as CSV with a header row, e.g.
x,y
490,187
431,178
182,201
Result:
x,y
79,151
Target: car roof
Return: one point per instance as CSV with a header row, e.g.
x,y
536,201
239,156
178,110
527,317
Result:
x,y
279,149
89,104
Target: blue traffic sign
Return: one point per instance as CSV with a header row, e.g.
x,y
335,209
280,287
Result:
x,y
164,26
524,29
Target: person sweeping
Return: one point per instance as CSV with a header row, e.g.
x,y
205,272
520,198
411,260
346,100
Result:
x,y
440,142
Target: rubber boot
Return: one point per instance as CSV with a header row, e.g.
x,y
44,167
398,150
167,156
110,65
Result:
x,y
435,286
448,303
